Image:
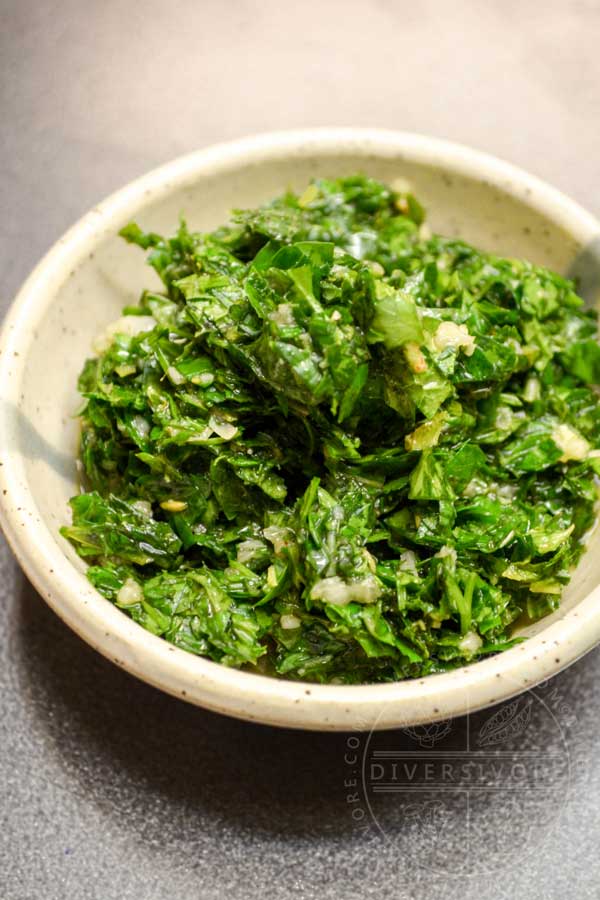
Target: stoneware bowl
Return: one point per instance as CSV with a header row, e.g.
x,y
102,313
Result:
x,y
90,274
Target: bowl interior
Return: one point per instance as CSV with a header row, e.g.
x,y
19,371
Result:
x,y
104,274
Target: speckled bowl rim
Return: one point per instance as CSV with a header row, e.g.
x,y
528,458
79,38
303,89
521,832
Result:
x,y
197,680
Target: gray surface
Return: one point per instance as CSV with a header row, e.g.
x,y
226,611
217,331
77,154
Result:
x,y
109,789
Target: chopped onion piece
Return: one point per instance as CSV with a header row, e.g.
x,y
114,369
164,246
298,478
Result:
x,y
173,506
449,334
339,593
572,444
471,642
129,593
224,429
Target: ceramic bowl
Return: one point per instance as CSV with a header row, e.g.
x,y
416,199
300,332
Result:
x,y
90,274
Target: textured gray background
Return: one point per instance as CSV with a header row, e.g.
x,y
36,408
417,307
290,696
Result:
x,y
108,789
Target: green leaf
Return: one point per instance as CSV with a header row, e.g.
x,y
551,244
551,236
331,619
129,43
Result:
x,y
395,320
428,481
342,451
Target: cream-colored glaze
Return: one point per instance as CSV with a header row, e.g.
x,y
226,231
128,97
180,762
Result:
x,y
90,274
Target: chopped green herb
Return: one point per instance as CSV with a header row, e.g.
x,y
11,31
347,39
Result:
x,y
335,448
